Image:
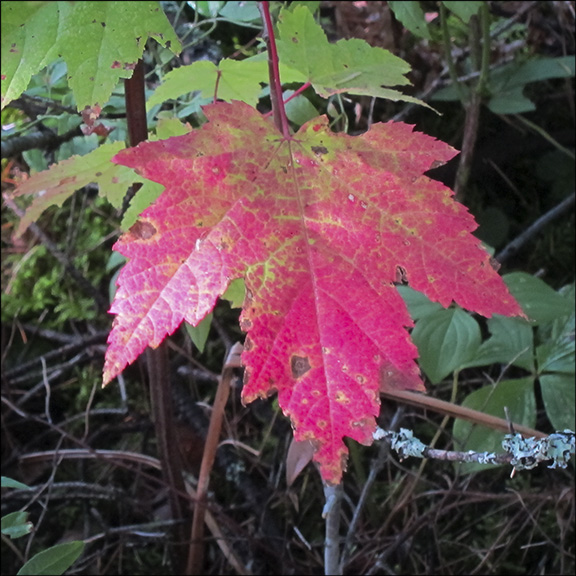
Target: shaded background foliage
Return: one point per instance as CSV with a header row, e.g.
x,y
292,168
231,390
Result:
x,y
418,518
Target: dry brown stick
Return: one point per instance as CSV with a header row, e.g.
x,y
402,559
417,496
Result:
x,y
449,409
196,552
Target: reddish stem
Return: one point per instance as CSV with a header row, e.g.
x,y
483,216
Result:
x,y
292,96
278,109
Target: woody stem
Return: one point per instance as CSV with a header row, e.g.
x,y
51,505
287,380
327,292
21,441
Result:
x,y
278,110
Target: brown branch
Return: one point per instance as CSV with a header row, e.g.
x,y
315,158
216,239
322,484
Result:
x,y
455,411
157,360
17,144
196,554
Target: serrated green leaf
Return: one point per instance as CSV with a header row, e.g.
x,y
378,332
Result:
x,y
21,57
516,395
412,17
16,524
539,302
55,185
237,80
53,561
511,342
464,10
99,41
446,340
11,483
558,395
351,66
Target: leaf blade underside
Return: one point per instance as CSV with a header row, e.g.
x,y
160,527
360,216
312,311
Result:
x,y
319,226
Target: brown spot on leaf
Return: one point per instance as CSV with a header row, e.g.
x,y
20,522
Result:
x,y
143,230
319,150
299,366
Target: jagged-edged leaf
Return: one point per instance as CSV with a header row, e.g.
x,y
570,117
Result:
x,y
229,80
351,66
55,185
318,225
99,41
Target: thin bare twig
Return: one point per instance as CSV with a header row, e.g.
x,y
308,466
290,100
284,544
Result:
x,y
196,552
518,243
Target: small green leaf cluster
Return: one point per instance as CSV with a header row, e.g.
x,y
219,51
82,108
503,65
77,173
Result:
x,y
52,561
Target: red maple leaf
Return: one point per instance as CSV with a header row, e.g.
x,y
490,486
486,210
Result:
x,y
320,226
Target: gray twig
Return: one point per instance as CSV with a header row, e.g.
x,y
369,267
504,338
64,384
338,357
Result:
x,y
513,247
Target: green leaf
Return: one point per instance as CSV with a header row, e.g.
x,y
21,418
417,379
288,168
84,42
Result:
x,y
16,524
237,80
464,10
199,334
508,82
412,17
29,30
99,41
143,198
556,357
244,12
446,340
558,395
207,9
516,395
351,66
11,483
55,185
235,293
299,110
53,561
539,302
511,342
419,305
312,5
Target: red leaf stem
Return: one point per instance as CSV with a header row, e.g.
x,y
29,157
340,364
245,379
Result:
x,y
280,118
